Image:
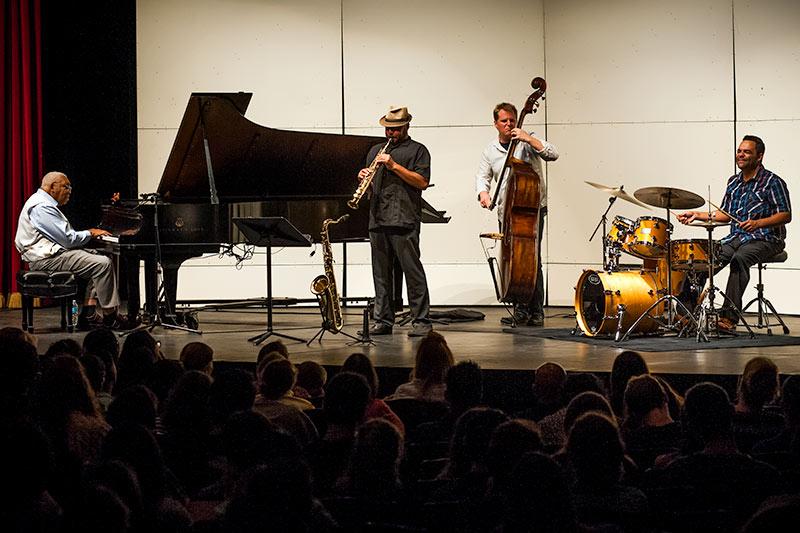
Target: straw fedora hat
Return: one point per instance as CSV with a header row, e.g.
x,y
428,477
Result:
x,y
397,116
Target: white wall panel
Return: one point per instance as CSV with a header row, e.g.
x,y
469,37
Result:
x,y
450,61
635,61
286,51
767,59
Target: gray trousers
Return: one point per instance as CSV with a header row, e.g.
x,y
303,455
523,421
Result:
x,y
403,244
89,265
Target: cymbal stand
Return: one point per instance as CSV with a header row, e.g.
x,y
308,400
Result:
x,y
609,264
668,299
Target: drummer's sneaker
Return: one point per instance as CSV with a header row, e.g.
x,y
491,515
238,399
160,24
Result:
x,y
535,321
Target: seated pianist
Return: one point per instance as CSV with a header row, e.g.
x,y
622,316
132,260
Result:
x,y
46,241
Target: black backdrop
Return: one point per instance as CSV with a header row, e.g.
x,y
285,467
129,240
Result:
x,y
89,100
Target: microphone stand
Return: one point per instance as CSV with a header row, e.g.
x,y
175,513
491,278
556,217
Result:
x,y
607,266
159,320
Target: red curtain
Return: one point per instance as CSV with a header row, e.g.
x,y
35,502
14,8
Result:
x,y
20,123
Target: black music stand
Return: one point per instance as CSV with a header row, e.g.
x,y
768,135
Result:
x,y
269,232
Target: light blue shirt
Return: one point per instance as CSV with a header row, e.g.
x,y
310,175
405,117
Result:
x,y
48,219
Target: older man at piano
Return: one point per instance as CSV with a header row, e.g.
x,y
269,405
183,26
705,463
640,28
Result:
x,y
46,241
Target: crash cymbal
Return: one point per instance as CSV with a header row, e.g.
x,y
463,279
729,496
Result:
x,y
617,192
669,198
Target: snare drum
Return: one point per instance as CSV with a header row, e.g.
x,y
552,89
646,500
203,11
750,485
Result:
x,y
621,232
599,294
690,254
650,237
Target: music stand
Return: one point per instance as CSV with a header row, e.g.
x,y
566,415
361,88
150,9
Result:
x,y
269,232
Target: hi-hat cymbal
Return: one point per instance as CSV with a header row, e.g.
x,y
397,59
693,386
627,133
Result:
x,y
708,224
669,198
617,192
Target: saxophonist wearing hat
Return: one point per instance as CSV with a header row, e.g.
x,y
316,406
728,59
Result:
x,y
400,171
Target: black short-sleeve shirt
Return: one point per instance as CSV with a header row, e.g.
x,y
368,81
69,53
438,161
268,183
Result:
x,y
394,202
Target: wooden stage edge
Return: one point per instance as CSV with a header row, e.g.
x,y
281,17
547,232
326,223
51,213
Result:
x,y
227,331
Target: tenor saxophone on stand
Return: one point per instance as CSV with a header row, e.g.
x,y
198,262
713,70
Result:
x,y
324,285
365,183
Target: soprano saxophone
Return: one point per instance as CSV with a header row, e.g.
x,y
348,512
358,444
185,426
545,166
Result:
x,y
365,183
324,285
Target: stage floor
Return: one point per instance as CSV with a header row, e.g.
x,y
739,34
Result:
x,y
482,341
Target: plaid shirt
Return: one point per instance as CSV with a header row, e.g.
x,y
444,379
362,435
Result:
x,y
761,197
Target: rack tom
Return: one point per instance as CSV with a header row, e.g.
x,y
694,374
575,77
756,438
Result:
x,y
650,237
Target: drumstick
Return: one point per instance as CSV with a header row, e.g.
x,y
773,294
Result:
x,y
718,208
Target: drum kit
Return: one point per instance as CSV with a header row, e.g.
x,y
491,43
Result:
x,y
622,300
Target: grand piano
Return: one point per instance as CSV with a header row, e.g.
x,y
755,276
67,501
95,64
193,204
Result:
x,y
222,166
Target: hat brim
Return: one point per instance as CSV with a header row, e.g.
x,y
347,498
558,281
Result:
x,y
393,123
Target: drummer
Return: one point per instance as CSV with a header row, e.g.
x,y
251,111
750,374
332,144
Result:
x,y
756,203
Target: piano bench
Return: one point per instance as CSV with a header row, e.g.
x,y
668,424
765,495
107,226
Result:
x,y
60,286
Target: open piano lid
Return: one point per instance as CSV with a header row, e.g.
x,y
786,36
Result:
x,y
253,162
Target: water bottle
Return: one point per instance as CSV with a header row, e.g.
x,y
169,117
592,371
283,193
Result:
x,y
74,313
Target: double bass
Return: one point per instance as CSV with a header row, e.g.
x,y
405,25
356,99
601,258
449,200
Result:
x,y
520,231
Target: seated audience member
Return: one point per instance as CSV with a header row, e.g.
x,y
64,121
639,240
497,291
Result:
x,y
19,369
718,476
311,379
464,391
377,408
432,362
198,356
788,440
648,429
12,333
548,391
186,423
778,514
272,347
347,397
551,427
164,377
232,390
629,364
467,467
755,418
373,470
538,498
95,370
510,441
596,455
63,347
134,405
277,381
101,339
273,384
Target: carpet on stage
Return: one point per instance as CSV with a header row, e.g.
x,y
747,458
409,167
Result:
x,y
666,343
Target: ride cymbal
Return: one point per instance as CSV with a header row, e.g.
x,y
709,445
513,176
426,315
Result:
x,y
617,192
669,198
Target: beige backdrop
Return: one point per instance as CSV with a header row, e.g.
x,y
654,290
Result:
x,y
640,93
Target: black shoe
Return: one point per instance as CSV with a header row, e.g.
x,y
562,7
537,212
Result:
x,y
535,321
119,322
420,329
520,317
379,328
88,322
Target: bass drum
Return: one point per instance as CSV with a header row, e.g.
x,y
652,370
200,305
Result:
x,y
599,294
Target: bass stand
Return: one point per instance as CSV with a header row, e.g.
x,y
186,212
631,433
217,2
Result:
x,y
269,232
608,265
669,299
159,320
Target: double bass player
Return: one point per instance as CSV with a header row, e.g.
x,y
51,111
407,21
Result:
x,y
533,151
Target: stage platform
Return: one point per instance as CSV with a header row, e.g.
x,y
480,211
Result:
x,y
483,341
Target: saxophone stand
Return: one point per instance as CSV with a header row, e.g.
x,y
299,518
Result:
x,y
269,232
161,319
